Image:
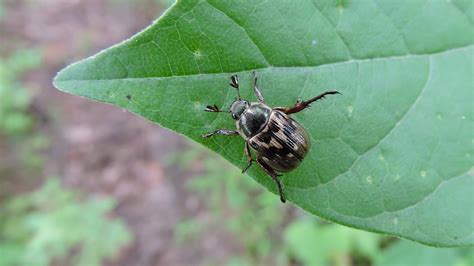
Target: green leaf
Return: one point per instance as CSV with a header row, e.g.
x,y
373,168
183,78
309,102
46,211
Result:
x,y
393,154
51,224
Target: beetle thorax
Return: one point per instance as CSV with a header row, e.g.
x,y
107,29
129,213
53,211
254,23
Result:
x,y
253,120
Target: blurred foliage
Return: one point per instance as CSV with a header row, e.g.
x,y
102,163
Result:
x,y
2,9
254,219
405,253
52,225
277,234
49,226
315,243
15,100
17,120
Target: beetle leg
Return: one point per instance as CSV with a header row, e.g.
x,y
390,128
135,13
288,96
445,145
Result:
x,y
274,176
301,105
256,89
234,82
249,157
226,132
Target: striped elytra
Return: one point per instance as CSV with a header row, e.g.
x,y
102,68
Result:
x,y
282,143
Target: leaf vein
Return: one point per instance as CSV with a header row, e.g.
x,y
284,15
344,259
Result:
x,y
244,30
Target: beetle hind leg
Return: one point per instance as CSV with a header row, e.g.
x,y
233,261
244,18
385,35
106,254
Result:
x,y
301,105
274,176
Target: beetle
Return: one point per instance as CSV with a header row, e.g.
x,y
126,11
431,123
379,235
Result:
x,y
279,142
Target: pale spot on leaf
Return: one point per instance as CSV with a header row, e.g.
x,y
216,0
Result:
x,y
340,9
370,179
350,108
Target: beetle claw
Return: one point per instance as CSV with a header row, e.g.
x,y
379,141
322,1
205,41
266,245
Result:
x,y
211,108
207,135
247,167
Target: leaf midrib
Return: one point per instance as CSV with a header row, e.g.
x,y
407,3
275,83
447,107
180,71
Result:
x,y
280,68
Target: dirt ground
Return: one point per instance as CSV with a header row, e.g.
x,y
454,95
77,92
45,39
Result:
x,y
100,149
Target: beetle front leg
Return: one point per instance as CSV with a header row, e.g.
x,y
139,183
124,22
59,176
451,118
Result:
x,y
214,109
249,157
274,176
226,132
256,89
301,105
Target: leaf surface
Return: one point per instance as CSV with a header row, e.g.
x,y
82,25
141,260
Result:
x,y
393,154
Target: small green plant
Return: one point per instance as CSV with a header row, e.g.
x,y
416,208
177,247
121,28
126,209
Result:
x,y
52,225
314,242
17,122
2,9
252,217
15,100
409,253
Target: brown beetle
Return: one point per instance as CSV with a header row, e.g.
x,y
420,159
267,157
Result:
x,y
279,142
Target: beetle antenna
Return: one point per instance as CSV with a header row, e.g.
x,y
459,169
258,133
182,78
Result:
x,y
234,82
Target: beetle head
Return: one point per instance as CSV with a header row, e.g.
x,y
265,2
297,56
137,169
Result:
x,y
238,107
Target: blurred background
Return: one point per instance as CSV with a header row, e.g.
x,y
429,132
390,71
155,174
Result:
x,y
84,183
